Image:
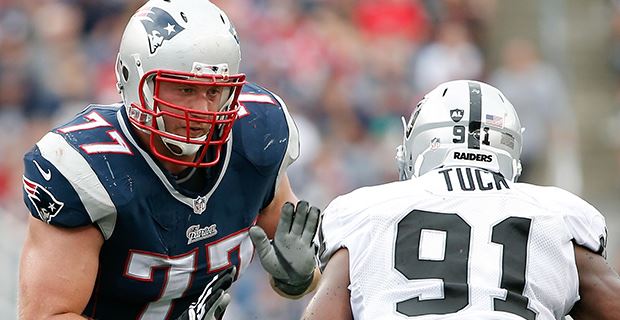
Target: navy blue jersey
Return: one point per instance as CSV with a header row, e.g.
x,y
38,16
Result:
x,y
163,243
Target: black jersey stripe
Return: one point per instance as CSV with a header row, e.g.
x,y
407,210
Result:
x,y
475,115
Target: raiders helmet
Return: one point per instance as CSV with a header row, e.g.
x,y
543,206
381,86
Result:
x,y
461,122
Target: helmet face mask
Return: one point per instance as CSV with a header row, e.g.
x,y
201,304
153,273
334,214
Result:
x,y
181,42
217,124
462,123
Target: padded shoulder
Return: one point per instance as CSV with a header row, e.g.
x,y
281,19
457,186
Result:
x,y
60,185
265,131
348,213
585,223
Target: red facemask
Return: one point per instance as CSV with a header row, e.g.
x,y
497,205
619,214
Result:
x,y
219,122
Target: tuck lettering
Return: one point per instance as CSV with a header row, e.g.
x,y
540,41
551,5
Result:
x,y
467,182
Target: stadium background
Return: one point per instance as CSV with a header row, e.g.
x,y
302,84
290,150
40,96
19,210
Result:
x,y
348,69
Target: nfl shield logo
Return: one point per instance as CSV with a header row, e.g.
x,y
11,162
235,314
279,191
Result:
x,y
200,205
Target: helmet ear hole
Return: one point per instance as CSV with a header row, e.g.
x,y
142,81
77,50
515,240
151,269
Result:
x,y
125,72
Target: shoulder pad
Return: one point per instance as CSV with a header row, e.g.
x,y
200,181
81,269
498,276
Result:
x,y
585,223
267,132
338,222
60,185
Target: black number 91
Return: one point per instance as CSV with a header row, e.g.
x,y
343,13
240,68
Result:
x,y
511,232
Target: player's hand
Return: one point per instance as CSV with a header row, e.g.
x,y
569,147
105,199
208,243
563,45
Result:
x,y
213,300
289,258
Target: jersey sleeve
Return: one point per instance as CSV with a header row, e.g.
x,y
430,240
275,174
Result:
x,y
585,223
61,189
338,223
292,149
269,137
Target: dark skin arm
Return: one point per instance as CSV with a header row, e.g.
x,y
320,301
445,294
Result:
x,y
599,288
331,300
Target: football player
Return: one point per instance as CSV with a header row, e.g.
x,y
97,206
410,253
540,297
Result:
x,y
136,207
459,238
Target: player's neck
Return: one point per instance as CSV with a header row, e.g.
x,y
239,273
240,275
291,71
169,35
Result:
x,y
174,168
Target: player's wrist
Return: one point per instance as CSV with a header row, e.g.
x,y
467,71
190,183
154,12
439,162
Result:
x,y
297,289
293,287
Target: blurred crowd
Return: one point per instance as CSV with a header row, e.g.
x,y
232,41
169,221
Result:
x,y
614,62
347,69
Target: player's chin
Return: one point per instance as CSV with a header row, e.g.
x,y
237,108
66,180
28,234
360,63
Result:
x,y
193,133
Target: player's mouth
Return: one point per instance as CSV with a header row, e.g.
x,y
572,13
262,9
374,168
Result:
x,y
194,131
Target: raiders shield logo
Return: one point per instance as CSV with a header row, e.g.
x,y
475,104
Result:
x,y
456,115
44,201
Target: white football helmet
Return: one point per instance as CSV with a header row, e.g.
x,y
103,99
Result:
x,y
180,41
462,122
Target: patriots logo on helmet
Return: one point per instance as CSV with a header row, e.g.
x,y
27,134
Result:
x,y
44,201
159,25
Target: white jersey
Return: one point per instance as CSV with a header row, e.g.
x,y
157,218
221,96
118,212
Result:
x,y
461,243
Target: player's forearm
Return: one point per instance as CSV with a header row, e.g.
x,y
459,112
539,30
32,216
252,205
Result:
x,y
38,315
329,303
37,302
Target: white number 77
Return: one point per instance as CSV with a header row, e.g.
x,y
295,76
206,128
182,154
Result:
x,y
95,120
180,269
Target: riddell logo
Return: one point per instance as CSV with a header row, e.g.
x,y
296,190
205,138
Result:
x,y
472,156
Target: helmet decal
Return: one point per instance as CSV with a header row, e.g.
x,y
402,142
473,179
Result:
x,y
456,114
508,140
494,121
159,25
233,31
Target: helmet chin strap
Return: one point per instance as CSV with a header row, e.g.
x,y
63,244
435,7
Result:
x,y
516,169
181,148
402,163
176,147
226,98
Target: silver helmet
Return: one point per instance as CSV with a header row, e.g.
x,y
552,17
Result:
x,y
183,42
461,122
